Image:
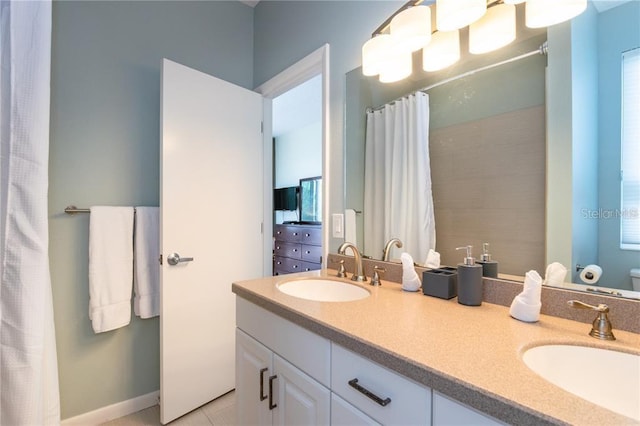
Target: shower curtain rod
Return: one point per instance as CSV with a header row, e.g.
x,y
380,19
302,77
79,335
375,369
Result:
x,y
542,50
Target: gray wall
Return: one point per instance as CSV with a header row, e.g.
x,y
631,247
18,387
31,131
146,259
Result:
x,y
287,31
104,149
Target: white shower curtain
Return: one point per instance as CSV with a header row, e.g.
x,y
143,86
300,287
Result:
x,y
28,364
397,186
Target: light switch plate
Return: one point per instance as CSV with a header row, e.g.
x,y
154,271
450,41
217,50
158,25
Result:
x,y
337,222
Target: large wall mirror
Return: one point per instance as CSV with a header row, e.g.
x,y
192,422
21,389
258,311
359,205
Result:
x,y
523,155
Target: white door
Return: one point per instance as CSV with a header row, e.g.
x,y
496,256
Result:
x,y
211,199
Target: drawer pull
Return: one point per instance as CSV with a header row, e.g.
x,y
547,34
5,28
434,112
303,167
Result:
x,y
354,384
262,395
271,404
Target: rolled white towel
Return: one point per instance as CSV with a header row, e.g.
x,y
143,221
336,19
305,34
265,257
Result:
x,y
410,279
526,306
555,274
433,259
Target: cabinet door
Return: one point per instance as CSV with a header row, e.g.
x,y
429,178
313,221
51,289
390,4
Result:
x,y
300,399
253,368
345,414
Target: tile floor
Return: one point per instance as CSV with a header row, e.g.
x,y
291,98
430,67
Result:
x,y
221,411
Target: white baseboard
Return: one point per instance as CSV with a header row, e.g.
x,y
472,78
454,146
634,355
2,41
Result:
x,y
114,411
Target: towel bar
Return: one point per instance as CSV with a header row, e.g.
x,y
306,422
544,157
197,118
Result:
x,y
73,210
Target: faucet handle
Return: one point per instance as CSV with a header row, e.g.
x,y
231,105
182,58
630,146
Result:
x,y
341,271
376,275
601,328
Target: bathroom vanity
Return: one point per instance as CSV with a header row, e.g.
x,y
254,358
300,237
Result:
x,y
398,357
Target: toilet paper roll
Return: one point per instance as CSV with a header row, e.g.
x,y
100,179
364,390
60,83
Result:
x,y
591,274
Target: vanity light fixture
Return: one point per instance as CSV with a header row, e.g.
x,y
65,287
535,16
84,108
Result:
x,y
491,26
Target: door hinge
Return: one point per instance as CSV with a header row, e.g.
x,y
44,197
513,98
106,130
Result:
x,y
262,227
160,259
262,127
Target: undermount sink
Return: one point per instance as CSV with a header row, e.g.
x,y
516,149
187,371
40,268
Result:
x,y
323,290
604,377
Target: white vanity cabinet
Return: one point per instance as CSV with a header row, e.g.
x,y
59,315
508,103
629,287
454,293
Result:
x,y
287,375
447,412
282,370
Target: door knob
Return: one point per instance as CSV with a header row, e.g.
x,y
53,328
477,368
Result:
x,y
174,259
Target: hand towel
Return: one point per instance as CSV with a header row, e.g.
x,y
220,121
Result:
x,y
146,281
433,259
526,306
110,267
555,274
350,226
410,279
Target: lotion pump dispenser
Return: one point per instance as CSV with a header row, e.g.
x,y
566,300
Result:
x,y
469,280
489,267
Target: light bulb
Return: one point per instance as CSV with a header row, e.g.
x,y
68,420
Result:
x,y
495,29
397,66
374,53
443,51
544,13
411,28
455,14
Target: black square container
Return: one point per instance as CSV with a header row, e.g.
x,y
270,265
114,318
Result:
x,y
441,282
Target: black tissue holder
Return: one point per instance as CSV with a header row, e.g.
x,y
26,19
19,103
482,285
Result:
x,y
440,282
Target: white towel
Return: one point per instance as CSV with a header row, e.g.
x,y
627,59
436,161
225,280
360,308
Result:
x,y
350,226
410,279
526,306
146,284
110,267
555,274
433,259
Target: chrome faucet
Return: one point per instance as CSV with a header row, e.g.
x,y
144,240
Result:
x,y
387,248
601,328
358,274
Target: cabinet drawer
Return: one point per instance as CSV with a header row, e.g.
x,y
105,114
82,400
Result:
x,y
309,266
410,403
287,233
285,265
291,250
345,414
311,236
311,253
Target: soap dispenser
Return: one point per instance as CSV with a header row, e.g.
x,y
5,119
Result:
x,y
489,267
469,280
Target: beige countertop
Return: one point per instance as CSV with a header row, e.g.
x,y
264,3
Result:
x,y
472,354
